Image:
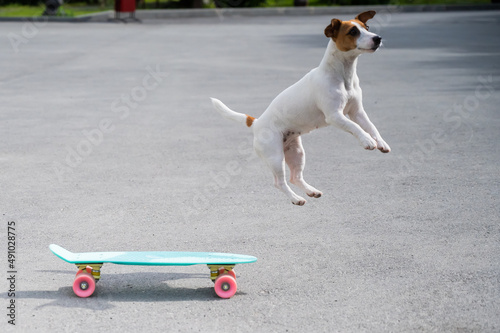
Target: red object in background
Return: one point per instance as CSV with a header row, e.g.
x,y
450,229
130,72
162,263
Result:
x,y
124,6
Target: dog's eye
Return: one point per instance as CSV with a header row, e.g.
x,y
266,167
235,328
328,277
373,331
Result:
x,y
367,27
353,32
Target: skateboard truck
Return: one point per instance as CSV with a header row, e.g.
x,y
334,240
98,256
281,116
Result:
x,y
93,269
217,270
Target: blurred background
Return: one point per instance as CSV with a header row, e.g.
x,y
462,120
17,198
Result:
x,y
71,8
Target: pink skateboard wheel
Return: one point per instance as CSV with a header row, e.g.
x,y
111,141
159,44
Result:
x,y
84,285
225,286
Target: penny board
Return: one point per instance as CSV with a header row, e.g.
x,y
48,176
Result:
x,y
152,258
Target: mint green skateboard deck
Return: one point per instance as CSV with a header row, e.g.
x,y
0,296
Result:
x,y
89,266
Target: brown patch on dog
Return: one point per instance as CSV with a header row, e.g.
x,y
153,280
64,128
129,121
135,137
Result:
x,y
332,30
346,36
360,23
250,120
365,16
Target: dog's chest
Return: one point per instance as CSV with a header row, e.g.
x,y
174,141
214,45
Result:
x,y
340,82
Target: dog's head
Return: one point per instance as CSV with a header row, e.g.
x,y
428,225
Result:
x,y
354,34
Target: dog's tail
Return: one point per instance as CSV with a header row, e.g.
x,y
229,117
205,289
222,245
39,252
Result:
x,y
230,114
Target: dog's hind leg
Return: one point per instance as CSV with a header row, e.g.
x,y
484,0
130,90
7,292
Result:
x,y
270,149
295,157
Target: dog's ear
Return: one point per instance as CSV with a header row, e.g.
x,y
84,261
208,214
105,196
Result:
x,y
332,30
365,16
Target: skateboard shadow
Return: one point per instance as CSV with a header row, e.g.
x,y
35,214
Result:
x,y
126,287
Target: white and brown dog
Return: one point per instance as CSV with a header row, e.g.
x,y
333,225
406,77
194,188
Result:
x,y
328,95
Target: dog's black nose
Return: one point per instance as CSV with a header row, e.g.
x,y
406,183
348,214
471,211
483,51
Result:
x,y
377,40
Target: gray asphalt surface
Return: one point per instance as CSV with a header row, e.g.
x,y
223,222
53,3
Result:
x,y
99,154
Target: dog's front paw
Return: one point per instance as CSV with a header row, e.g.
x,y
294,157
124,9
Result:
x,y
368,143
383,146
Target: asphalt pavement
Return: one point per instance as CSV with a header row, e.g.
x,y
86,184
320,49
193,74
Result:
x,y
109,142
